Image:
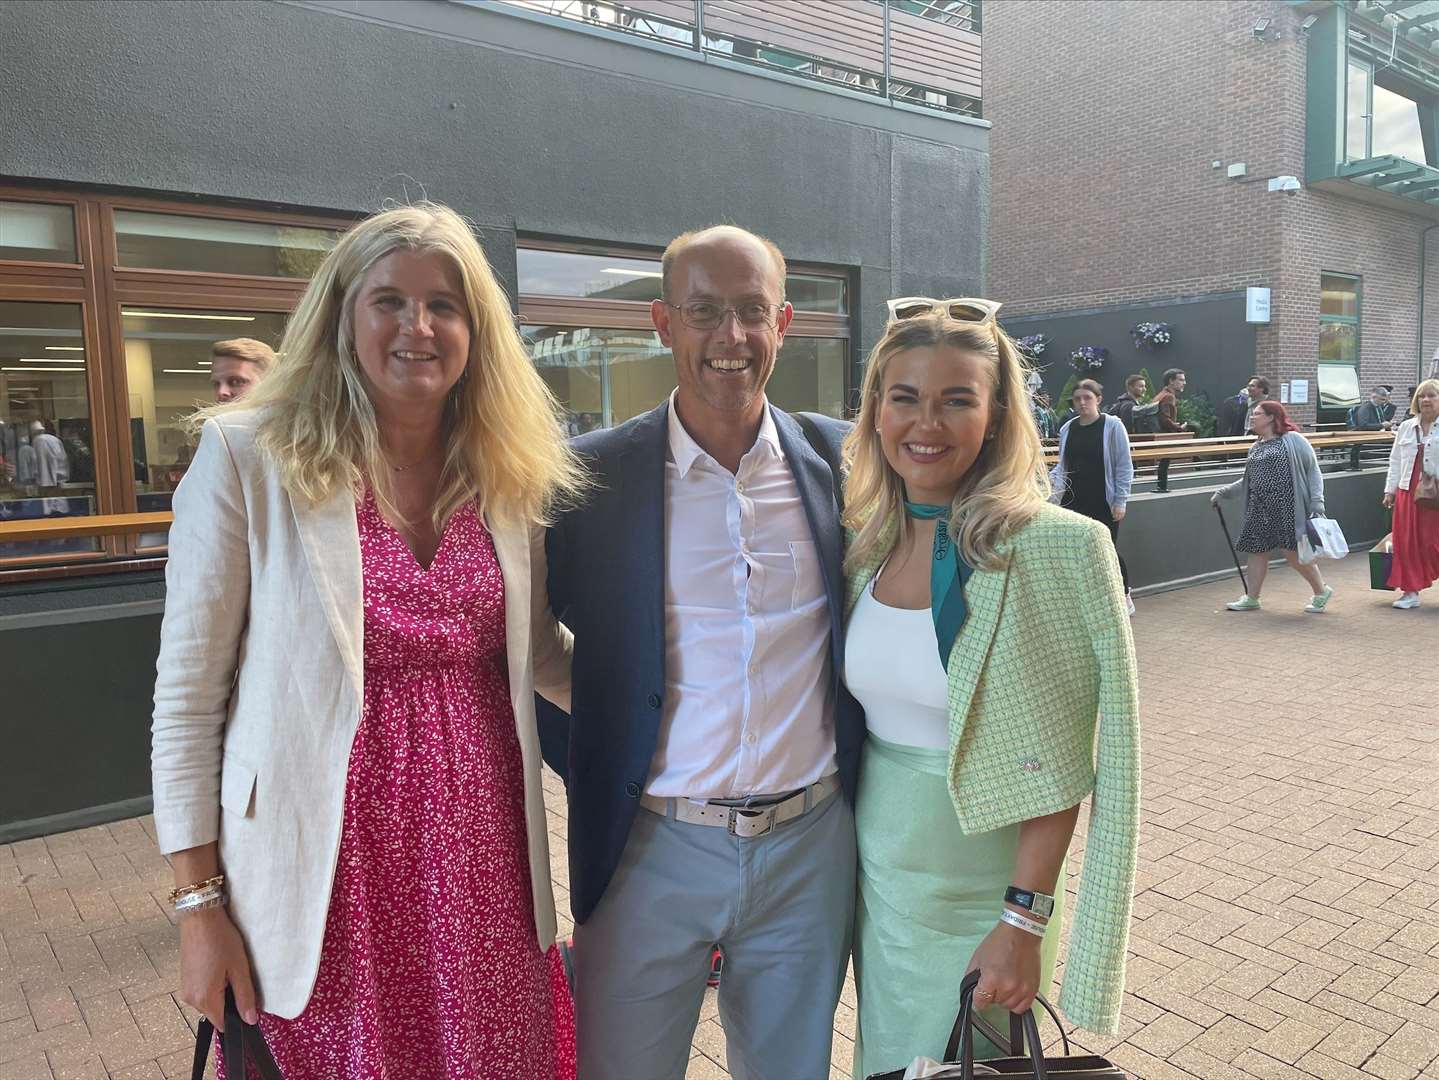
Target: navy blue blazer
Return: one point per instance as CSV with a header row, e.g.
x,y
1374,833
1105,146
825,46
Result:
x,y
607,584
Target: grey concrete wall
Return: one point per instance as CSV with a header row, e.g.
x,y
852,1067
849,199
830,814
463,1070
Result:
x,y
523,125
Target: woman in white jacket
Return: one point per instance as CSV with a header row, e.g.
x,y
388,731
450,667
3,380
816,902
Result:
x,y
1095,472
1413,458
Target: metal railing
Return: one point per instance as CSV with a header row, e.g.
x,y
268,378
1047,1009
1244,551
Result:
x,y
915,52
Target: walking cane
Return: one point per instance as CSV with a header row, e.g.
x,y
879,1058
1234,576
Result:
x,y
1225,526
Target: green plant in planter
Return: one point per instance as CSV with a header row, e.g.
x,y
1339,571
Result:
x,y
1198,411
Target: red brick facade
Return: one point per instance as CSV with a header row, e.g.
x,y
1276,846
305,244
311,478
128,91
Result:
x,y
1108,115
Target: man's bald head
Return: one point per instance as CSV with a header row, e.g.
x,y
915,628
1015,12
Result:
x,y
717,235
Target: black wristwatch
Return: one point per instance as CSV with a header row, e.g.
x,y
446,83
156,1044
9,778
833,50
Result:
x,y
1036,902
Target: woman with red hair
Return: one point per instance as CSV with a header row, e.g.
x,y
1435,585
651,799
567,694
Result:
x,y
1281,489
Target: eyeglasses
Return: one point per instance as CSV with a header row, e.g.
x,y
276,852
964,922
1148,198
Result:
x,y
706,315
959,308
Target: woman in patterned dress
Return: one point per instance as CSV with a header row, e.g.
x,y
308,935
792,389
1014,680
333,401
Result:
x,y
355,626
1281,489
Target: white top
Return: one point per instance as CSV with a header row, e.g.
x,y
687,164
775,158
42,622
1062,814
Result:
x,y
748,705
52,464
891,666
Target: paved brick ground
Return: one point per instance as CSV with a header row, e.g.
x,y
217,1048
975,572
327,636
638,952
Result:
x,y
1287,922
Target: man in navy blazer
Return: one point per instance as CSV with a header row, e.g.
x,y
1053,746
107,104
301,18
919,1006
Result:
x,y
712,749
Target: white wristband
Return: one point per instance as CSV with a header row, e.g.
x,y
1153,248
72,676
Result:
x,y
1020,922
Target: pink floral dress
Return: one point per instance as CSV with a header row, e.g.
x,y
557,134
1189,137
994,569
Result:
x,y
430,967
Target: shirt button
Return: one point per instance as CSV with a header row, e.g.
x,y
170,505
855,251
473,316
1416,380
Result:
x,y
653,701
739,489
632,790
751,738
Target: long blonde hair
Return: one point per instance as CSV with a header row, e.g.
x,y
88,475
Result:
x,y
505,450
1003,489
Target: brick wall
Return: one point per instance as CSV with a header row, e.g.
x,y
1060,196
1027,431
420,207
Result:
x,y
1108,115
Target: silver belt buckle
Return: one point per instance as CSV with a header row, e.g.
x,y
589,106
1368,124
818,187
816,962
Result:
x,y
735,814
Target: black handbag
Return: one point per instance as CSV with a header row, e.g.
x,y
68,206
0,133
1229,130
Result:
x,y
241,1045
1026,1059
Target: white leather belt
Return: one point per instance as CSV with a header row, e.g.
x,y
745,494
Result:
x,y
745,822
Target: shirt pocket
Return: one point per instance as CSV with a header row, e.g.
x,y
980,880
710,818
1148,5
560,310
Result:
x,y
237,786
808,581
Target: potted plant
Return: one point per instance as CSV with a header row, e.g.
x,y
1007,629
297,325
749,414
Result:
x,y
1033,345
1088,359
1150,336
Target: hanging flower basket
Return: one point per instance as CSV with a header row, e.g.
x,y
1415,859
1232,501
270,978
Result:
x,y
1033,345
1151,336
1088,359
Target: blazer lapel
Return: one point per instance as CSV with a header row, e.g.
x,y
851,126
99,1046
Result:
x,y
330,537
641,519
512,552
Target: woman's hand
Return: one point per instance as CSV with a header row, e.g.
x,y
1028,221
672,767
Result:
x,y
1388,499
1117,513
212,956
1008,961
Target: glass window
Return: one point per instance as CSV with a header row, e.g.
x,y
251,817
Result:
x,y
1357,113
47,458
1338,386
211,245
35,232
605,376
1396,128
599,277
1338,295
1338,341
167,374
612,277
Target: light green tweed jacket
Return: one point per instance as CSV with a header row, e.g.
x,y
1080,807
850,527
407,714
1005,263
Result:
x,y
1045,657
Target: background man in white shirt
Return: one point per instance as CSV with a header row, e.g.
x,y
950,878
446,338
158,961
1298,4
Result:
x,y
712,754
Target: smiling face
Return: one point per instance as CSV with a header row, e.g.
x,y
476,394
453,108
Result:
x,y
935,410
412,329
722,371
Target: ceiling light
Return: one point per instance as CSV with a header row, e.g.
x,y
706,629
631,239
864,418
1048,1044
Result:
x,y
33,370
185,315
64,348
631,273
185,371
48,360
36,389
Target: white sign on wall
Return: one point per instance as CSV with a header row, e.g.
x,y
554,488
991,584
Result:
x,y
1256,304
1284,393
1299,392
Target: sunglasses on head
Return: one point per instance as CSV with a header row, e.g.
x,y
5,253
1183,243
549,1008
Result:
x,y
959,308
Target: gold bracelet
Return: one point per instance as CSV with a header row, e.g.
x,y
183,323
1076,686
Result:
x,y
199,886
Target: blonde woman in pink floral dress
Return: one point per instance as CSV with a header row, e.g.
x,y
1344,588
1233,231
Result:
x,y
346,767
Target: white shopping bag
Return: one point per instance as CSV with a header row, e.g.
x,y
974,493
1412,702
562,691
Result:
x,y
1329,538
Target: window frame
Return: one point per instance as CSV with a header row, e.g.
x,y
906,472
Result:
x,y
102,289
1355,320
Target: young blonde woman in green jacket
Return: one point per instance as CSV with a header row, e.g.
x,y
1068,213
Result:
x,y
989,644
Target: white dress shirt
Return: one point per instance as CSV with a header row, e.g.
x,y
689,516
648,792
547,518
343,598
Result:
x,y
748,702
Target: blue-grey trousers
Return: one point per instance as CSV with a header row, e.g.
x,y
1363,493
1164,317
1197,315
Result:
x,y
780,905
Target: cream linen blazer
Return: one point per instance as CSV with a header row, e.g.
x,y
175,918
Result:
x,y
259,687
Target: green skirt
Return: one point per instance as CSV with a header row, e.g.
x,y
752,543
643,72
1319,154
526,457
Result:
x,y
928,895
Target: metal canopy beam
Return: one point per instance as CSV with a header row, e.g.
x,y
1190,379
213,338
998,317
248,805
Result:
x,y
1368,167
1399,177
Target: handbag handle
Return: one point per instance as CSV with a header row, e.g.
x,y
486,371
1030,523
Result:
x,y
238,1043
1022,1030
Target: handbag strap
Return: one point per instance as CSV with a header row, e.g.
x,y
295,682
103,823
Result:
x,y
238,1043
1024,1031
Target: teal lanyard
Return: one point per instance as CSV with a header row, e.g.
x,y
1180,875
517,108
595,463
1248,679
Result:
x,y
947,576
